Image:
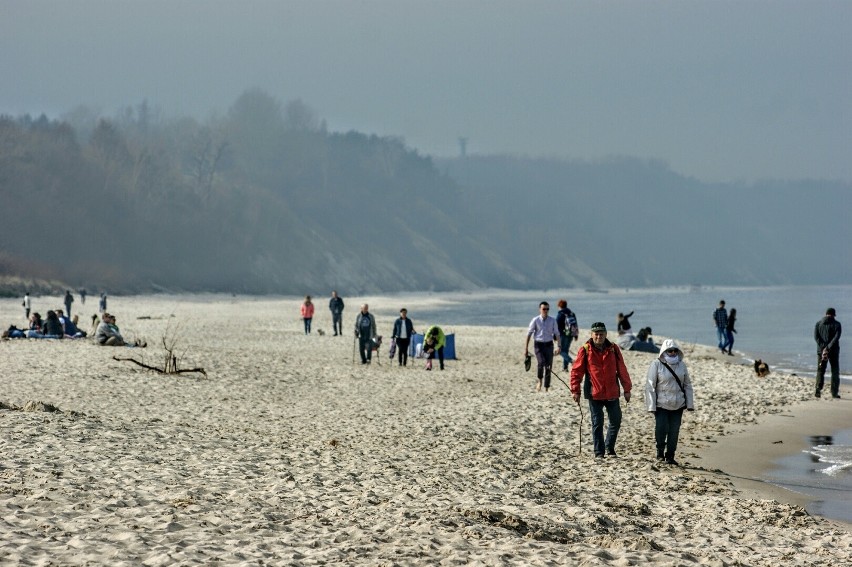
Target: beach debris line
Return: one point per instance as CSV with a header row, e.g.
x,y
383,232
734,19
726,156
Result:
x,y
171,361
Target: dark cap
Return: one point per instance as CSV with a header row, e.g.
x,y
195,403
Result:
x,y
831,311
598,327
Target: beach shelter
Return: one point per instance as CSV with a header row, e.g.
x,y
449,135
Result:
x,y
449,348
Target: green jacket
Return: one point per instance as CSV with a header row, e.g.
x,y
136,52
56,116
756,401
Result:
x,y
442,340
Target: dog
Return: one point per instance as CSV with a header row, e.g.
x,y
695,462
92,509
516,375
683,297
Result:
x,y
761,368
320,332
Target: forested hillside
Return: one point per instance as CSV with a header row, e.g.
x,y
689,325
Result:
x,y
264,199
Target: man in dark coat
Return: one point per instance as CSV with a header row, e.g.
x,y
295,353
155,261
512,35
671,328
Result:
x,y
827,336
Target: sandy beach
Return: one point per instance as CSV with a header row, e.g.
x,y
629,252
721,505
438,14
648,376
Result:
x,y
290,454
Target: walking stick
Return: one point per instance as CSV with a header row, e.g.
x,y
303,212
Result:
x,y
354,341
580,425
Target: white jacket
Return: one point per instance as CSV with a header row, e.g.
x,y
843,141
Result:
x,y
661,388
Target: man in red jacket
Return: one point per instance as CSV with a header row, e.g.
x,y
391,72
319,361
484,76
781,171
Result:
x,y
601,364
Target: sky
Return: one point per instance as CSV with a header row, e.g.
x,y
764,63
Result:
x,y
720,90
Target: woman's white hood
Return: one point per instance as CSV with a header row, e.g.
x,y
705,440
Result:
x,y
671,343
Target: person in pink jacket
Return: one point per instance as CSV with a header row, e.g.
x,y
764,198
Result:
x,y
307,313
600,365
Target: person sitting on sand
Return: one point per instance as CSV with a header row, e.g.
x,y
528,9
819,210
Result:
x,y
624,322
108,333
69,328
668,391
434,341
52,328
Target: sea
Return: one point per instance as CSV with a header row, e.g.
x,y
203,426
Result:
x,y
774,324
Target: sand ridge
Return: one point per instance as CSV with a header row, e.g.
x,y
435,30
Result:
x,y
290,454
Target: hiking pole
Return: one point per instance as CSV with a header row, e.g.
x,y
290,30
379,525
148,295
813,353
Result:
x,y
354,341
580,424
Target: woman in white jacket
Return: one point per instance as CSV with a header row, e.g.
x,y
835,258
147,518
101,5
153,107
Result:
x,y
668,391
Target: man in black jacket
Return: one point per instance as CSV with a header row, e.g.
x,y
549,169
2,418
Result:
x,y
335,305
827,337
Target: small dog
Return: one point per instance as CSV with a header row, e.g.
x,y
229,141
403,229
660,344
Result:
x,y
320,332
761,368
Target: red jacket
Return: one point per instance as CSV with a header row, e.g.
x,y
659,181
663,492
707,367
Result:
x,y
601,366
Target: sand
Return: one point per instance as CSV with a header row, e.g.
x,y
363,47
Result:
x,y
290,454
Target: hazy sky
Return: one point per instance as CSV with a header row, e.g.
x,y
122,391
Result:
x,y
720,90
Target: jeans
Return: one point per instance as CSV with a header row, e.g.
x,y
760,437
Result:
x,y
564,344
337,323
308,325
667,431
722,335
613,412
822,365
365,347
729,340
544,357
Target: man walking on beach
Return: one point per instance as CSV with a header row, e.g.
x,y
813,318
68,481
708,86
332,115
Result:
x,y
335,305
720,317
27,305
545,333
365,330
69,299
600,365
827,337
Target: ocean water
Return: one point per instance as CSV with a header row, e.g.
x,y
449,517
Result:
x,y
823,472
774,324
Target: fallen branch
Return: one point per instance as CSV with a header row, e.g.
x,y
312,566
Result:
x,y
172,370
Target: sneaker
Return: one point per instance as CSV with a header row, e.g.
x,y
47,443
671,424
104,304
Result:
x,y
818,394
671,461
835,396
611,453
660,457
599,455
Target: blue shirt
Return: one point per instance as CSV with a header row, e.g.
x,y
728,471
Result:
x,y
543,330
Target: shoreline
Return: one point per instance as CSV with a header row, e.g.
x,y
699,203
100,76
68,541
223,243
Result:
x,y
751,453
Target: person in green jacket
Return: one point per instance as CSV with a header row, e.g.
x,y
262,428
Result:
x,y
434,341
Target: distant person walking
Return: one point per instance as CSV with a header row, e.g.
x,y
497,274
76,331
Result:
x,y
600,365
569,331
27,304
720,318
69,299
365,331
827,336
335,305
82,296
668,391
729,331
102,303
545,334
307,312
403,329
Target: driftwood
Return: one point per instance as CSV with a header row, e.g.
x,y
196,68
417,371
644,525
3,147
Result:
x,y
171,360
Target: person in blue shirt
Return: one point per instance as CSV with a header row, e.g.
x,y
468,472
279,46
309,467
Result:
x,y
545,333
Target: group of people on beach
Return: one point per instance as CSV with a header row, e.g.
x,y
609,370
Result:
x,y
367,338
599,374
58,324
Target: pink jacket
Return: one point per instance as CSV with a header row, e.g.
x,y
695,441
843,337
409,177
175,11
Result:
x,y
307,311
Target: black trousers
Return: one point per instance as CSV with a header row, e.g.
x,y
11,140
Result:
x,y
544,357
402,350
